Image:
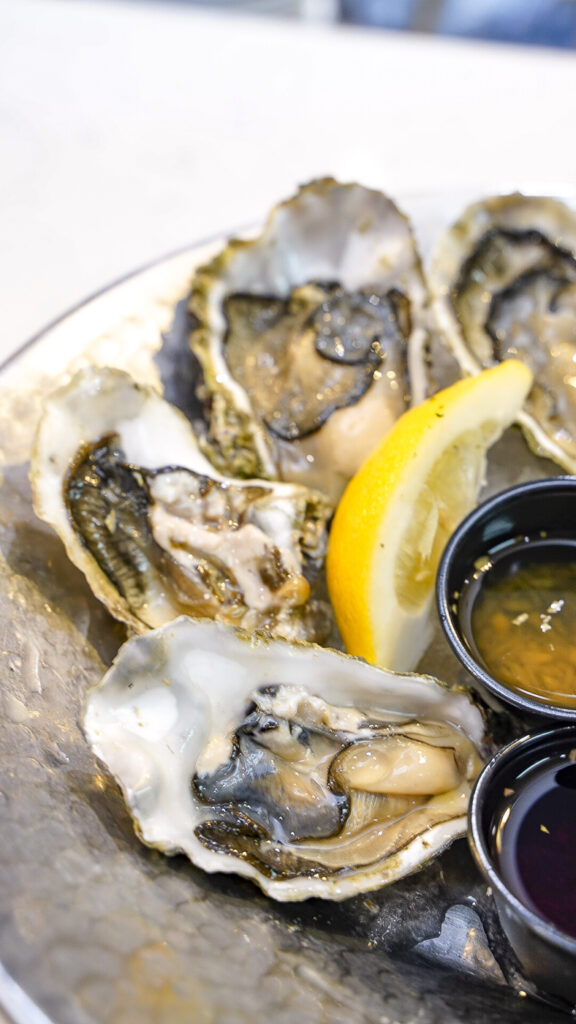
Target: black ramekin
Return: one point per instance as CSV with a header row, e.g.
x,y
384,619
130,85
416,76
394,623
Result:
x,y
528,510
546,954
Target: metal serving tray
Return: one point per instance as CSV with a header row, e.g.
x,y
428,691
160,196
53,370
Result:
x,y
95,928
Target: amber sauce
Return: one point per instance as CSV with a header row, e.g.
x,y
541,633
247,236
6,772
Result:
x,y
521,605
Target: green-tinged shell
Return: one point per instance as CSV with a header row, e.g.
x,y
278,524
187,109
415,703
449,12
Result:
x,y
117,472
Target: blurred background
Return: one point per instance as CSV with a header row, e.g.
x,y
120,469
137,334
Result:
x,y
540,22
133,128
528,22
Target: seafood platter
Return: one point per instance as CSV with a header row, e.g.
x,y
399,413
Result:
x,y
212,811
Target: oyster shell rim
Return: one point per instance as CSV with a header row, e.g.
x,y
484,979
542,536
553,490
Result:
x,y
441,284
218,384
408,859
49,467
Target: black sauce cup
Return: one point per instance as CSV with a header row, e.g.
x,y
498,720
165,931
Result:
x,y
546,954
523,514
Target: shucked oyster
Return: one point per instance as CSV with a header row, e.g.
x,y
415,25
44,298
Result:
x,y
505,282
310,336
310,772
117,472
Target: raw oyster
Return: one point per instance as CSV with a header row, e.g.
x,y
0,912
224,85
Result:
x,y
310,337
306,770
504,277
117,472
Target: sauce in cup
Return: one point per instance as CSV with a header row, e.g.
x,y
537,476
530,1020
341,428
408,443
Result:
x,y
534,839
521,605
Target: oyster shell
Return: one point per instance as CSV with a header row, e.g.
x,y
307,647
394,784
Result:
x,y
156,530
310,337
306,770
504,280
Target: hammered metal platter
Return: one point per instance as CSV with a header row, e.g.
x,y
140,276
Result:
x,y
94,927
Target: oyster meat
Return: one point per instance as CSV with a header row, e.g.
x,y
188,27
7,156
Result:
x,y
311,337
306,770
504,280
157,531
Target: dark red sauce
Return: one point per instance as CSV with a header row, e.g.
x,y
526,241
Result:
x,y
534,840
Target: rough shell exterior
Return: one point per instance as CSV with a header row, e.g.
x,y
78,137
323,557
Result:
x,y
504,284
329,232
174,714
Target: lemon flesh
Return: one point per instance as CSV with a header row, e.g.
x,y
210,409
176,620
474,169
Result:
x,y
398,511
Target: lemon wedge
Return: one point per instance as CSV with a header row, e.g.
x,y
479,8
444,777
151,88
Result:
x,y
399,510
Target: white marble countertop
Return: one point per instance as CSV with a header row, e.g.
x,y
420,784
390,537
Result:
x,y
129,130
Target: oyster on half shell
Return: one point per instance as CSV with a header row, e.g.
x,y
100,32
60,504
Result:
x,y
310,337
306,770
504,281
157,531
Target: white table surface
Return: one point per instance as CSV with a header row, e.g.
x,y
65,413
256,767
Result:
x,y
128,130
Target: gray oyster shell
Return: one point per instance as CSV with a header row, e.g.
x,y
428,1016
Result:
x,y
308,771
504,284
117,472
311,336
